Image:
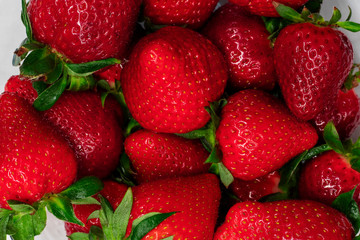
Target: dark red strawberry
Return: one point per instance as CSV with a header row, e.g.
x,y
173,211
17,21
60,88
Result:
x,y
35,160
192,13
258,134
163,155
289,219
171,76
93,132
86,30
312,63
245,43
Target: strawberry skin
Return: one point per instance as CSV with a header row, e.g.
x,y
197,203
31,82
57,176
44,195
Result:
x,y
163,155
35,159
192,13
312,64
246,47
327,176
87,30
171,76
288,219
258,134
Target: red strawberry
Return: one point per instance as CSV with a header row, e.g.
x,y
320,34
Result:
x,y
171,76
110,74
178,12
243,39
266,7
256,189
345,114
86,30
289,219
163,155
312,63
93,132
327,176
35,159
258,134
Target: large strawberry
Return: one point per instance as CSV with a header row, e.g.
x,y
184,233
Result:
x,y
92,131
164,155
258,134
171,76
288,219
243,39
177,12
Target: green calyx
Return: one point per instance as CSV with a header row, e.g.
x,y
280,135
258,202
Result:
x,y
353,79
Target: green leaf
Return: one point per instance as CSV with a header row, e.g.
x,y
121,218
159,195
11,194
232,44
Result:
x,y
106,214
132,125
49,96
21,207
38,62
317,18
96,233
39,220
332,138
225,175
271,24
103,98
79,236
23,227
288,13
85,201
94,214
56,73
335,17
350,14
124,171
26,20
4,219
86,69
103,84
85,187
62,208
213,157
39,86
148,223
346,204
350,26
121,216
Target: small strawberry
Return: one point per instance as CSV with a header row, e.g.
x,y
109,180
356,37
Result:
x,y
163,155
192,13
288,219
258,134
171,76
243,39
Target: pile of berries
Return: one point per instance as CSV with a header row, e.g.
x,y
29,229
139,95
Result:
x,y
148,119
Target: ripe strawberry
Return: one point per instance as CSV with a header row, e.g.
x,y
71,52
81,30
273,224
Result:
x,y
86,30
256,189
266,7
92,131
35,159
312,63
258,134
243,39
327,176
345,114
171,76
175,12
288,219
163,155
110,74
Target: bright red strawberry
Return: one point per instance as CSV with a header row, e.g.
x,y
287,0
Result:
x,y
258,134
312,63
171,76
289,219
86,30
243,39
93,132
192,13
327,176
35,159
345,114
163,155
266,7
256,189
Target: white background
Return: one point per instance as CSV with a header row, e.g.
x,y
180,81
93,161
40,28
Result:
x,y
12,33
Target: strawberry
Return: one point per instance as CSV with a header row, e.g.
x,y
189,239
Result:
x,y
163,155
256,189
258,134
192,13
266,7
345,114
171,76
312,63
35,160
288,219
243,39
92,131
86,30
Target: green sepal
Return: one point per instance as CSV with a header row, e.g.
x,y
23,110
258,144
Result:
x,y
104,95
23,226
332,138
213,157
346,204
350,26
288,13
39,86
105,215
26,20
354,77
20,207
96,233
62,208
5,216
318,19
85,201
56,73
79,236
39,62
124,172
335,17
225,175
103,84
39,220
81,83
88,68
85,187
131,127
94,214
350,14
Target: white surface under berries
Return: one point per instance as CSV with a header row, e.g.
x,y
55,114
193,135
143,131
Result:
x,y
13,32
